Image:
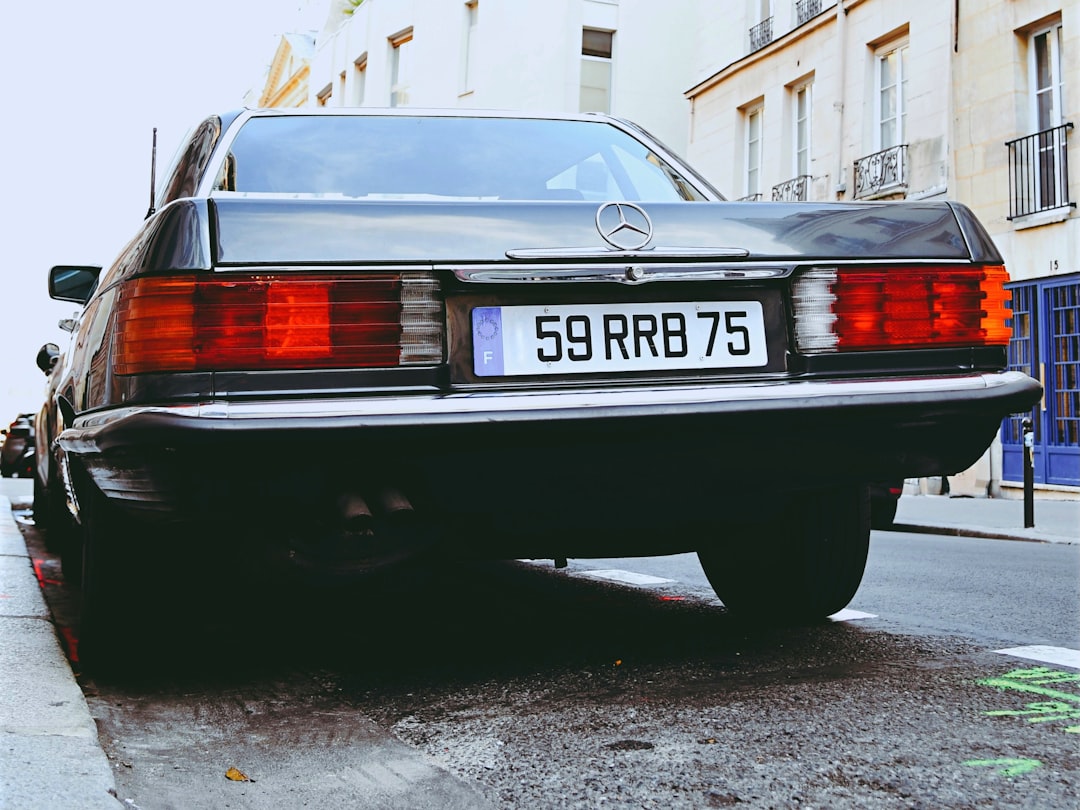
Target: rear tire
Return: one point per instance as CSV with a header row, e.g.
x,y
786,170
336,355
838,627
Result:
x,y
109,624
801,565
882,513
41,505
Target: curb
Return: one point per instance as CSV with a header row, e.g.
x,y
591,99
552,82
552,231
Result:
x,y
50,755
1020,535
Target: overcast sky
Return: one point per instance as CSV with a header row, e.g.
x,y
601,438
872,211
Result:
x,y
86,83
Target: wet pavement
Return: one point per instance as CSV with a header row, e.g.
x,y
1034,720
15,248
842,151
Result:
x,y
50,754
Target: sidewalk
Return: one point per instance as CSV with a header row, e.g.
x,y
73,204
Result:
x,y
49,751
1056,521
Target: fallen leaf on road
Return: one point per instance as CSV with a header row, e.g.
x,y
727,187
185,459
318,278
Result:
x,y
236,775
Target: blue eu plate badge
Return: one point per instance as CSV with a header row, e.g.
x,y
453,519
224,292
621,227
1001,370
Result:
x,y
487,341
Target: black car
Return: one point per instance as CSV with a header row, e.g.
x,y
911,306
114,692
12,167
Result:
x,y
17,450
504,335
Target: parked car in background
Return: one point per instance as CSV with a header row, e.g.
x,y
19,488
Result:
x,y
17,451
505,335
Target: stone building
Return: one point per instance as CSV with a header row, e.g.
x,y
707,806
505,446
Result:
x,y
617,56
972,101
287,82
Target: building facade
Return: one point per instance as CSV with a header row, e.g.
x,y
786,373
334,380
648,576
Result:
x,y
973,102
287,81
616,56
1016,102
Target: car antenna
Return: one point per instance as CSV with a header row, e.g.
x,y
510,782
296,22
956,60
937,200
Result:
x,y
153,174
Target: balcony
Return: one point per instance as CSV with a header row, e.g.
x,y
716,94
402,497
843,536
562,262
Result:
x,y
1039,172
761,35
806,10
881,173
750,198
793,190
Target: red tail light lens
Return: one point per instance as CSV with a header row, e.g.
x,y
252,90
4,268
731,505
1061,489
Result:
x,y
868,309
277,321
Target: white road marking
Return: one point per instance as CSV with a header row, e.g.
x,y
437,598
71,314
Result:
x,y
1062,656
847,615
628,577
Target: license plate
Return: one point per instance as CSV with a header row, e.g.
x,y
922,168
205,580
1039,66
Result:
x,y
591,338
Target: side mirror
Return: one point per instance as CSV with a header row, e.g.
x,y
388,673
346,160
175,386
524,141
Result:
x,y
47,357
74,283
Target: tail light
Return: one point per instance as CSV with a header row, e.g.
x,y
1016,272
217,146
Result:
x,y
268,321
873,309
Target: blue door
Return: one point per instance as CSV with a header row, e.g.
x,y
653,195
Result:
x,y
1046,344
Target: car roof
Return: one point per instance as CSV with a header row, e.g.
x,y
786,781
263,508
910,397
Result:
x,y
422,112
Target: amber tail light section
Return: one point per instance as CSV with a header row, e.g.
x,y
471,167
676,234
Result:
x,y
284,321
840,309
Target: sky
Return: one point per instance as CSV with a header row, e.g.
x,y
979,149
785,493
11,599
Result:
x,y
86,83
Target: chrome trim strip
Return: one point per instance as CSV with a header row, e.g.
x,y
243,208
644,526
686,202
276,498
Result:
x,y
514,403
620,273
295,269
659,252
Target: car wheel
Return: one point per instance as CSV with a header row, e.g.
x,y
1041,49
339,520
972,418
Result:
x,y
801,565
107,618
41,506
882,513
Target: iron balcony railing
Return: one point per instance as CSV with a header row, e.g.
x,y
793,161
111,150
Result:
x,y
750,198
1039,172
806,9
793,190
761,35
881,172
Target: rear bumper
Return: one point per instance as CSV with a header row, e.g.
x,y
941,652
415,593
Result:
x,y
471,451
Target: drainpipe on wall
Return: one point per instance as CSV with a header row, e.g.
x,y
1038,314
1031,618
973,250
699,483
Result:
x,y
840,187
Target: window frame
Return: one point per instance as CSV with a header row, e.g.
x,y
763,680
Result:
x,y
797,148
359,79
399,67
750,114
608,60
899,47
467,77
1056,86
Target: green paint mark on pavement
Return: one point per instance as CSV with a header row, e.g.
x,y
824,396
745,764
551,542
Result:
x,y
1007,767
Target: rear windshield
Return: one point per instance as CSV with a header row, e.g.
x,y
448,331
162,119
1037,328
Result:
x,y
392,157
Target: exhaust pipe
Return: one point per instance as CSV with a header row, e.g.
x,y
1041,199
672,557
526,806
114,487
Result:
x,y
393,504
356,517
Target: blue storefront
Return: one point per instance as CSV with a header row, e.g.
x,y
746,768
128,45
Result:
x,y
1046,344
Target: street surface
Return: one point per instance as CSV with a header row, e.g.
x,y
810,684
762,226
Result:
x,y
612,683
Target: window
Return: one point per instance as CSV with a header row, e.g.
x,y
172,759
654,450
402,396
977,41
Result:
x,y
1038,162
400,68
359,80
753,152
761,34
596,48
892,96
453,157
1046,78
468,50
801,135
323,96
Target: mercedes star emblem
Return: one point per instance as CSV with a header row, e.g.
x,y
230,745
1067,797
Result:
x,y
624,226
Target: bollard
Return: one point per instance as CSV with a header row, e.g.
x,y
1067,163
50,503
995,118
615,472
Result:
x,y
1029,474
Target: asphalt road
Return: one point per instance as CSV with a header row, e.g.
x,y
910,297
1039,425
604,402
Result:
x,y
612,683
